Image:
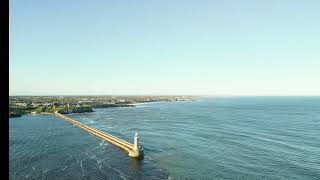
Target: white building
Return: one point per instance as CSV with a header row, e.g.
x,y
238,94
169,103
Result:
x,y
21,104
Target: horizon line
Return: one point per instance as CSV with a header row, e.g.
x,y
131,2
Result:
x,y
199,95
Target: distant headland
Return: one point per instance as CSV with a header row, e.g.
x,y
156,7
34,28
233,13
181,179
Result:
x,y
20,105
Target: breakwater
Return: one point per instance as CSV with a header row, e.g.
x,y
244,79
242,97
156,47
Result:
x,y
134,150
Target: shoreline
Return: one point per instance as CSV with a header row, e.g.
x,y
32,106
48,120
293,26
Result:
x,y
124,105
164,101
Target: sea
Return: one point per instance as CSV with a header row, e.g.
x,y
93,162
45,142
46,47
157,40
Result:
x,y
209,138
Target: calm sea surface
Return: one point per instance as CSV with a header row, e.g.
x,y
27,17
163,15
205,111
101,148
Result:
x,y
217,138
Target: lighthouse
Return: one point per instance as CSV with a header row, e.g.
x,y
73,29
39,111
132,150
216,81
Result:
x,y
136,150
136,143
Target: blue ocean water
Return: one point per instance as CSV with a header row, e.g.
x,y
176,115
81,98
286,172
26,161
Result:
x,y
211,138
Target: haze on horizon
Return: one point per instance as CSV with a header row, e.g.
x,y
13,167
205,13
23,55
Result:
x,y
204,47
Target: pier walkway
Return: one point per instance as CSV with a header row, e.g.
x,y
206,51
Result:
x,y
134,150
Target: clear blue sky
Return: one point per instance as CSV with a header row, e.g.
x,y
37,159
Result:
x,y
212,47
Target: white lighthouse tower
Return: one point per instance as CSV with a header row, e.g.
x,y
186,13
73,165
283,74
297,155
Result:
x,y
136,143
136,150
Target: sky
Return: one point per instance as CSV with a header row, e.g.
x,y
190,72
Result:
x,y
167,47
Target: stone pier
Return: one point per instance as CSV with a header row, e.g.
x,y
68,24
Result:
x,y
134,150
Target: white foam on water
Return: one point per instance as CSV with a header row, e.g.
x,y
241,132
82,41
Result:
x,y
99,163
141,106
81,168
44,173
103,143
64,168
91,157
123,176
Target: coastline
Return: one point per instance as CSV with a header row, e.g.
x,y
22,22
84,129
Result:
x,y
89,109
165,101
